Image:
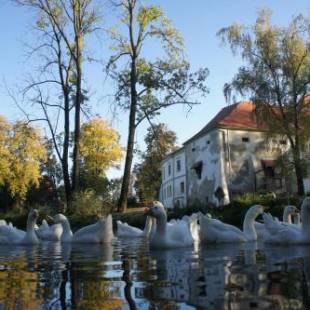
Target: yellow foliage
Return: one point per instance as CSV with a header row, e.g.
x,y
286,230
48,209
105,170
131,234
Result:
x,y
100,148
149,14
21,151
4,152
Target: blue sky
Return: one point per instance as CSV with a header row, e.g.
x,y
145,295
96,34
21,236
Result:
x,y
198,21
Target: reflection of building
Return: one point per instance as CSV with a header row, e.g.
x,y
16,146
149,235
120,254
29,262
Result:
x,y
229,156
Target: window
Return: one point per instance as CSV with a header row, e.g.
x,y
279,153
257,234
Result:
x,y
169,170
245,139
178,165
182,187
163,174
169,191
208,142
283,142
193,149
198,168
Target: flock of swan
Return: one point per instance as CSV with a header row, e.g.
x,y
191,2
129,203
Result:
x,y
173,234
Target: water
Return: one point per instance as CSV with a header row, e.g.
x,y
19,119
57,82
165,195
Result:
x,y
126,275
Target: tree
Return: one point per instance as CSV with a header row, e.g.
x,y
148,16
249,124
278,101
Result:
x,y
24,150
160,141
100,150
62,27
145,86
277,78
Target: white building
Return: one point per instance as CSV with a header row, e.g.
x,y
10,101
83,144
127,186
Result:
x,y
229,156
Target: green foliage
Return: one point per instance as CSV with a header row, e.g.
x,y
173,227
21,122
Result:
x,y
160,82
234,212
87,203
160,141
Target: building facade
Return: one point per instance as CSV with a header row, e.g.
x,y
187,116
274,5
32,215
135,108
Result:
x,y
228,157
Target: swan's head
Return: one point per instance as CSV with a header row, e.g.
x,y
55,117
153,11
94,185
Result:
x,y
256,210
33,214
59,218
291,210
156,210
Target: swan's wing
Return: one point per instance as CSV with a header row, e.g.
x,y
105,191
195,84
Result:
x,y
212,230
126,231
285,235
271,225
52,233
10,234
180,233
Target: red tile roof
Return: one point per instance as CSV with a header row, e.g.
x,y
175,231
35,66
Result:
x,y
240,115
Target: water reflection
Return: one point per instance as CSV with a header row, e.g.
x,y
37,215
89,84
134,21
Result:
x,y
126,275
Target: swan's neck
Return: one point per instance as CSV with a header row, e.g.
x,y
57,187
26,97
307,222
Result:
x,y
287,216
31,224
148,225
296,219
161,224
66,229
248,226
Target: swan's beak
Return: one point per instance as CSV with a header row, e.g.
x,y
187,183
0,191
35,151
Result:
x,y
147,210
50,218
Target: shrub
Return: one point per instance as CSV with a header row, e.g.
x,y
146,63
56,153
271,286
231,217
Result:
x,y
87,203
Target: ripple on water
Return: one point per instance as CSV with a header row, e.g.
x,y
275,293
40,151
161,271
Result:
x,y
59,276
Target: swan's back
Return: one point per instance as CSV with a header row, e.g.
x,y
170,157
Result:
x,y
100,232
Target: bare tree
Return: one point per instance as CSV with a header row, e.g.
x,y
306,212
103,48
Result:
x,y
62,26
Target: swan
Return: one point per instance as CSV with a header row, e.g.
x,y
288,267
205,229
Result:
x,y
50,233
100,232
288,211
166,236
215,231
289,234
126,231
12,235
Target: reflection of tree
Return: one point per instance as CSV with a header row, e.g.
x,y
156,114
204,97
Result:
x,y
89,280
18,287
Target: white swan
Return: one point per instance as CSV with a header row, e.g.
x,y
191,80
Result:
x,y
193,224
289,234
126,231
288,212
174,235
50,233
12,235
215,231
100,232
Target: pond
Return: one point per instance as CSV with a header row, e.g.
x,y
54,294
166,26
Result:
x,y
127,275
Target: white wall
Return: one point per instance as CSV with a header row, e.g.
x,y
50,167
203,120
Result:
x,y
170,193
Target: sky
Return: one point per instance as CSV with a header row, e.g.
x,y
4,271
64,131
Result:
x,y
197,20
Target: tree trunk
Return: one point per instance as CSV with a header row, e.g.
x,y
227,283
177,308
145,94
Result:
x,y
298,173
298,169
78,98
65,152
122,203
